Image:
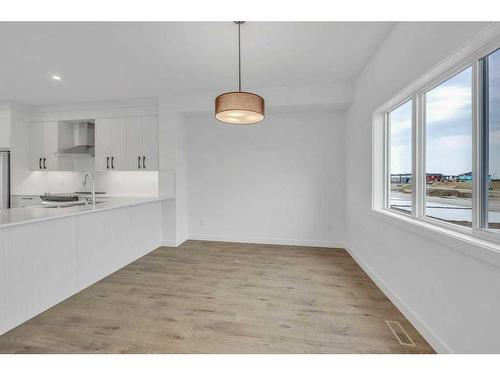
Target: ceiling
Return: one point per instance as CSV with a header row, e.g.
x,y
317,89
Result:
x,y
105,61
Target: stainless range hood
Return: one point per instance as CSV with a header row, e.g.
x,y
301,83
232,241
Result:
x,y
78,149
83,141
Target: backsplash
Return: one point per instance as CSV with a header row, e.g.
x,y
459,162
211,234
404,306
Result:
x,y
121,183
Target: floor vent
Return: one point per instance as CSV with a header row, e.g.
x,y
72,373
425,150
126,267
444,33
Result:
x,y
400,333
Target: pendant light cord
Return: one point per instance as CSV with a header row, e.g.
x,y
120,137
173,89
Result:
x,y
239,57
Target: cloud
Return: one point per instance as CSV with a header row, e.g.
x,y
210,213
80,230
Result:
x,y
494,136
449,129
451,154
401,158
401,136
400,124
448,102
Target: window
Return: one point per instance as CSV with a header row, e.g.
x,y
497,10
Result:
x,y
491,79
399,123
448,150
436,147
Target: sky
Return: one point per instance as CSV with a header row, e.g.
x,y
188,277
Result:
x,y
400,131
448,126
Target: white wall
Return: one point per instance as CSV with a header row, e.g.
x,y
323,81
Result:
x,y
452,298
173,142
173,177
278,182
169,122
181,196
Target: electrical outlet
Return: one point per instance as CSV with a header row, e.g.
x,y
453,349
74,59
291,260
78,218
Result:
x,y
202,223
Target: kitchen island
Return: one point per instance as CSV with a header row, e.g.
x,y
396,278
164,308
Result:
x,y
48,254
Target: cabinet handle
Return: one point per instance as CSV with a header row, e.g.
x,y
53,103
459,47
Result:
x,y
139,162
44,163
107,162
39,163
144,162
112,162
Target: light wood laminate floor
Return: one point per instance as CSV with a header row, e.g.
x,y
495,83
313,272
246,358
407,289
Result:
x,y
214,297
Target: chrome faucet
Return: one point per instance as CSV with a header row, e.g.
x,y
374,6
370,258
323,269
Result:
x,y
92,177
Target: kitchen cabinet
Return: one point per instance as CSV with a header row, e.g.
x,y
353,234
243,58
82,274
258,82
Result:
x,y
45,262
150,142
20,201
37,145
126,144
142,143
45,139
134,144
118,144
111,144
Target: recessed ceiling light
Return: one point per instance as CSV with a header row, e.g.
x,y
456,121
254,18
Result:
x,y
56,77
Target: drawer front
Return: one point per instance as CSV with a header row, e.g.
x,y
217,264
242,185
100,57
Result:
x,y
18,201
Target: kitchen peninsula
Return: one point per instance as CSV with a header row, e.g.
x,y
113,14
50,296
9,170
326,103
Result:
x,y
48,254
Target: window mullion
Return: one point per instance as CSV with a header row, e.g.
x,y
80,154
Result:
x,y
483,141
414,155
477,152
419,155
387,162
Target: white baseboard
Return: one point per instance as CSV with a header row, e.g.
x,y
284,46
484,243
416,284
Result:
x,y
169,243
172,243
265,241
437,344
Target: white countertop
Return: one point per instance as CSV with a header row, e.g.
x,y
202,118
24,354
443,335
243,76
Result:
x,y
17,216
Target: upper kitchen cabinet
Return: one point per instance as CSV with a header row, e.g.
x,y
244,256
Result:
x,y
46,137
126,144
142,143
111,144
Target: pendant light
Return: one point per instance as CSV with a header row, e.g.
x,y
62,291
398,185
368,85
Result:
x,y
239,107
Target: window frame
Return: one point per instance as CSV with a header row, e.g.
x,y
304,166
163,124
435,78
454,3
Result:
x,y
423,140
471,55
387,161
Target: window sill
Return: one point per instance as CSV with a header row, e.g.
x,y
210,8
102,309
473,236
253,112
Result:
x,y
468,243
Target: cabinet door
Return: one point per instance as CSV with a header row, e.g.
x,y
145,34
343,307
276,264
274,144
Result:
x,y
102,144
145,230
134,144
36,132
150,142
43,145
118,144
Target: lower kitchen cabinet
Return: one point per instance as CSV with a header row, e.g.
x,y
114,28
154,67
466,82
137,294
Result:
x,y
45,262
